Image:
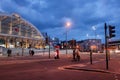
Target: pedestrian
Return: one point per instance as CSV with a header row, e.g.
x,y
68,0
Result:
x,y
74,54
57,52
9,51
77,53
32,52
1,50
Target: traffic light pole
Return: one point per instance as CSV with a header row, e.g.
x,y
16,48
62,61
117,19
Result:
x,y
106,44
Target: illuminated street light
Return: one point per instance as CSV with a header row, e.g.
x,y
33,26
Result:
x,y
98,36
67,25
94,28
87,35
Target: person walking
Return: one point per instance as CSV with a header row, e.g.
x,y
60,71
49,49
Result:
x,y
1,50
57,52
9,51
77,53
32,52
74,57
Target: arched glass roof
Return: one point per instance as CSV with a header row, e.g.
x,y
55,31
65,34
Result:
x,y
15,25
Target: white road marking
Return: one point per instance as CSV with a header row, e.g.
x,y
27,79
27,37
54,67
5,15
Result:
x,y
116,77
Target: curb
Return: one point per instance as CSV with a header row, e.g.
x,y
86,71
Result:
x,y
84,69
92,70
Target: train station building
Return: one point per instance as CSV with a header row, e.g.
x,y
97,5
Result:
x,y
16,32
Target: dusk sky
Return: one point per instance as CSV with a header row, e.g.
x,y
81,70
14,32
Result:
x,y
85,15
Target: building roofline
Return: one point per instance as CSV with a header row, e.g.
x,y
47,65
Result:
x,y
6,14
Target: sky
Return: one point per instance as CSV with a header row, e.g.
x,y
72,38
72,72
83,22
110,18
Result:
x,y
87,17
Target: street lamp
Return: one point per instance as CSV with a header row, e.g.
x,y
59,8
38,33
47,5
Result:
x,y
67,25
94,28
87,35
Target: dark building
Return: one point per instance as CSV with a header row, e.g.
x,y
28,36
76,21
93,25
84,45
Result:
x,y
69,44
52,41
90,44
55,41
114,44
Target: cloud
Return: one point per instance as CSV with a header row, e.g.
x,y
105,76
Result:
x,y
50,15
21,3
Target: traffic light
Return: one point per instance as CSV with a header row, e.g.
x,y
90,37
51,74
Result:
x,y
111,31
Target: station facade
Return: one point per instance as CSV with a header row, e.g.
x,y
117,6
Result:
x,y
16,32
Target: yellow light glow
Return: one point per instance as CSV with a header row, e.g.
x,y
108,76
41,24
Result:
x,y
68,24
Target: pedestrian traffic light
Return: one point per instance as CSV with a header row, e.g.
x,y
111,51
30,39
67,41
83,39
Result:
x,y
111,31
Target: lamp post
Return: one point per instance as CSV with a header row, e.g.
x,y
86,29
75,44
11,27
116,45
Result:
x,y
94,28
67,25
87,35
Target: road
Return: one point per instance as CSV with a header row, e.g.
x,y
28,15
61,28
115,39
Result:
x,y
42,68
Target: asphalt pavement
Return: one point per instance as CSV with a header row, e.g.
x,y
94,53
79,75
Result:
x,y
41,67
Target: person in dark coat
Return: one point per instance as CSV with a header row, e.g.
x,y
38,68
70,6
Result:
x,y
9,51
74,54
32,52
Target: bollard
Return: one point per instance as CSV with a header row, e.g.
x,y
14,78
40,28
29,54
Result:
x,y
91,56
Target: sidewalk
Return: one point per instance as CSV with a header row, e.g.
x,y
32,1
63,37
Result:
x,y
100,66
